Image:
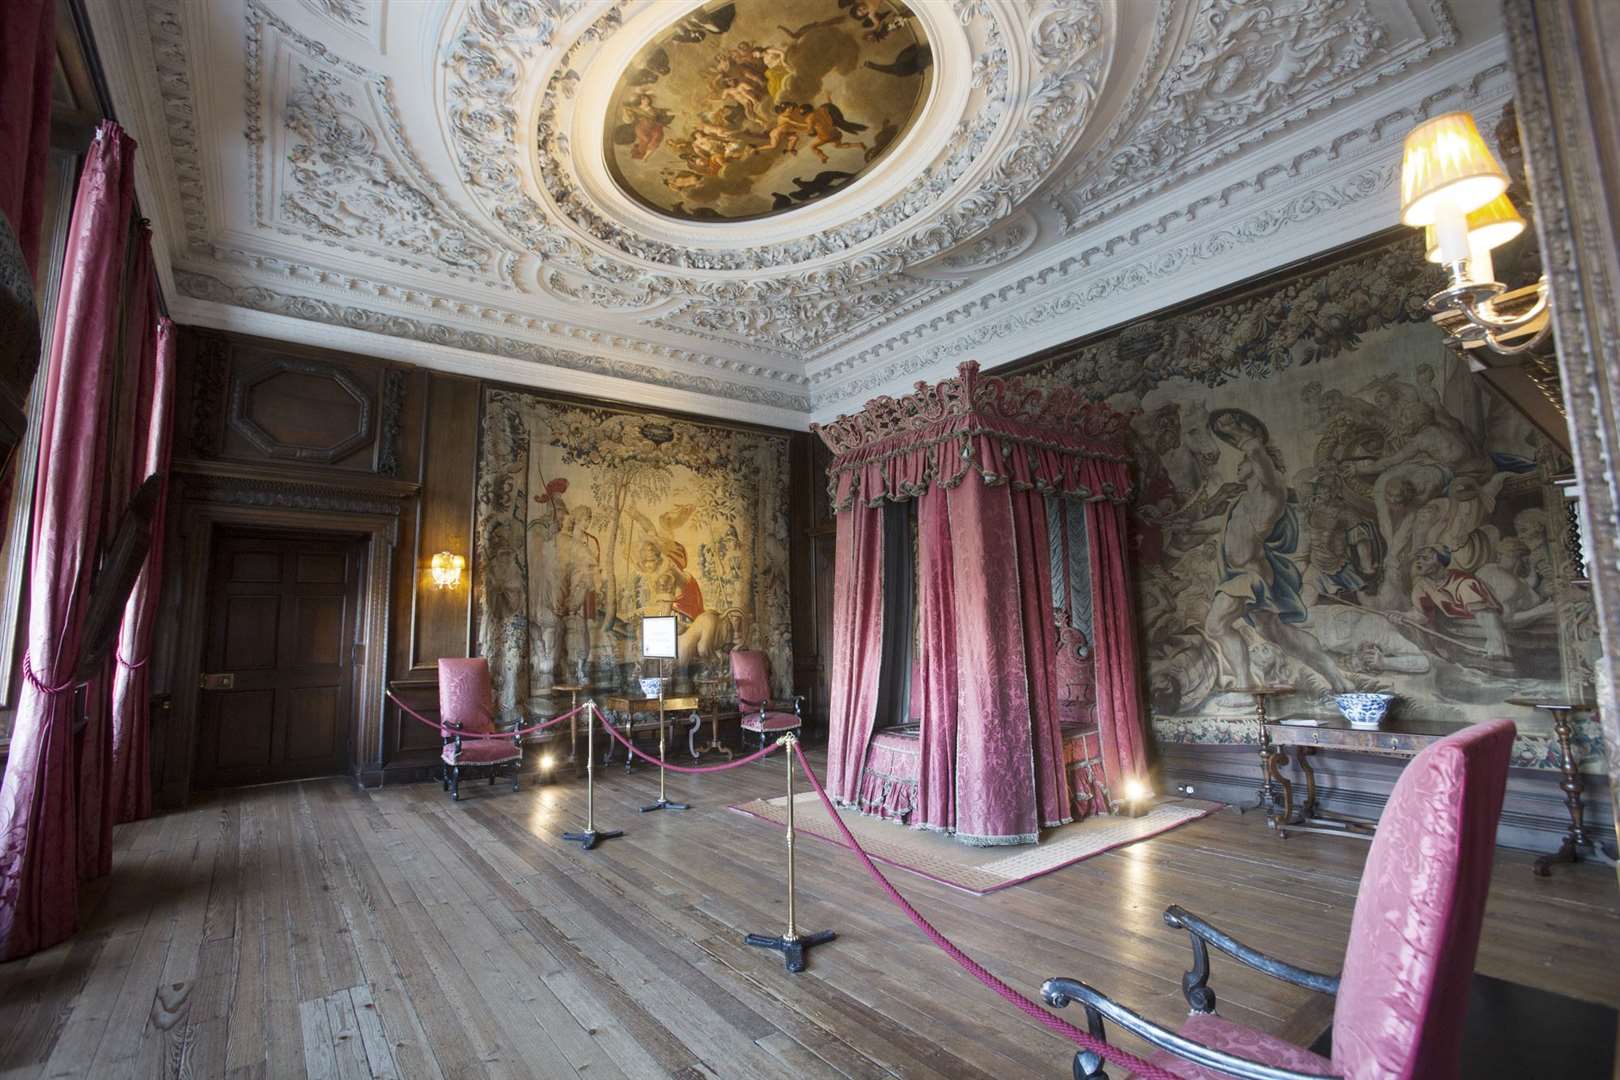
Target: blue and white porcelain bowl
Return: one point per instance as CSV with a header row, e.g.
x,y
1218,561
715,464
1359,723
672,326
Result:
x,y
650,687
1364,710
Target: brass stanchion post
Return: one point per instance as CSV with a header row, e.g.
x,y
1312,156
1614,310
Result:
x,y
592,835
663,802
792,945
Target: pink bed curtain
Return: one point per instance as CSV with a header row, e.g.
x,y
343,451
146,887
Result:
x,y
27,54
857,645
980,454
1119,699
39,821
131,718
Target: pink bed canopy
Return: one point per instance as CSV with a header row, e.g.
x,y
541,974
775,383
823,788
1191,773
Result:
x,y
1020,706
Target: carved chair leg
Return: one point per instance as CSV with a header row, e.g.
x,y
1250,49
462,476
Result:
x,y
517,773
455,783
444,777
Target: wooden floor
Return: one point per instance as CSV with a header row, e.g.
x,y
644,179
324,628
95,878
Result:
x,y
313,929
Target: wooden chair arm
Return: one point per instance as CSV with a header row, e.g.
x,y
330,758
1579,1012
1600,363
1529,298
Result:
x,y
1089,1065
1195,983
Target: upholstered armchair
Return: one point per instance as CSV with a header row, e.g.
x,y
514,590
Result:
x,y
1403,993
751,671
467,705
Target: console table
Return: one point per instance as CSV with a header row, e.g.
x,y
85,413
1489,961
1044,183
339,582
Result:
x,y
619,705
1398,739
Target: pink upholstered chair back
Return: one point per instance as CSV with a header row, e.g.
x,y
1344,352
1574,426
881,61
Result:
x,y
465,694
1404,990
752,674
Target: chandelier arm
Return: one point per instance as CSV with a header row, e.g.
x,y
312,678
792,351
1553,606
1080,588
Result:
x,y
1521,347
1483,316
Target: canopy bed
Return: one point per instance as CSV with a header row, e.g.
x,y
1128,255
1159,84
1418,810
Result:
x,y
984,673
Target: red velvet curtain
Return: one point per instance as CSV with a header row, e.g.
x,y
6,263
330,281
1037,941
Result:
x,y
857,645
39,822
27,48
1119,701
131,719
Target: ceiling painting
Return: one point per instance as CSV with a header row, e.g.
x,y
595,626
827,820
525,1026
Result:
x,y
749,108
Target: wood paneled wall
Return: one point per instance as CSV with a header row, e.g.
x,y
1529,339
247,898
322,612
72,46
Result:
x,y
291,436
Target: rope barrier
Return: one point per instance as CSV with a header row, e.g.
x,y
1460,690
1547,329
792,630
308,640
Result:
x,y
1140,1068
652,760
445,729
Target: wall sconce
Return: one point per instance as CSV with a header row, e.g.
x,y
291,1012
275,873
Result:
x,y
1454,188
446,569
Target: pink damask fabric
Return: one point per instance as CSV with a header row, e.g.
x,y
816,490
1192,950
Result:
x,y
1403,994
857,646
466,696
751,672
131,714
1119,694
39,818
889,783
936,687
1240,1041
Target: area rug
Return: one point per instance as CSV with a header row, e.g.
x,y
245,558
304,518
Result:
x,y
977,870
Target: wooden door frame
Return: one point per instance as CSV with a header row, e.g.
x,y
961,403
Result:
x,y
201,522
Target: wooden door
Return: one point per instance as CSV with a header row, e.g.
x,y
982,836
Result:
x,y
278,661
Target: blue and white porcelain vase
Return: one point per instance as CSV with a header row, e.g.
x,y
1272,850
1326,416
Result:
x,y
1364,710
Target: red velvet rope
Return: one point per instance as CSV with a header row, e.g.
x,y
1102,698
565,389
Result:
x,y
770,748
1144,1070
34,680
446,729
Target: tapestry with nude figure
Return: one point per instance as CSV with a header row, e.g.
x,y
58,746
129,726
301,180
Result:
x,y
587,519
1330,500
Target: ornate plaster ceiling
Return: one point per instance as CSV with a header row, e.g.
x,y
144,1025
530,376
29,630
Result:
x,y
456,182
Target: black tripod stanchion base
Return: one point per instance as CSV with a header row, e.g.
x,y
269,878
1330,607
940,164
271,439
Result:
x,y
665,804
793,952
588,840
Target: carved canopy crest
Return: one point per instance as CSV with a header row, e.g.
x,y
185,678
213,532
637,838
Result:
x,y
1014,429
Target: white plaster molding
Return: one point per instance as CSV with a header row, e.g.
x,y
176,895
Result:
x,y
1313,191
478,364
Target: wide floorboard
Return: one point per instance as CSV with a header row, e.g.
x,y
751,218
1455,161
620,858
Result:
x,y
313,929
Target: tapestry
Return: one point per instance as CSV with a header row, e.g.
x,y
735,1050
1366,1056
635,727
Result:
x,y
1330,500
587,519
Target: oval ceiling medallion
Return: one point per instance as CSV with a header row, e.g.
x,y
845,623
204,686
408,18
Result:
x,y
748,108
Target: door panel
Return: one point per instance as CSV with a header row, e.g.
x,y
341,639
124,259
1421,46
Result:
x,y
249,632
316,735
282,616
246,739
319,637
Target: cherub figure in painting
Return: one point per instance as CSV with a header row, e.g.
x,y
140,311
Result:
x,y
826,121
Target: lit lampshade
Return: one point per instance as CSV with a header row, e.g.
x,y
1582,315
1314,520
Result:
x,y
446,569
1491,226
1446,163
